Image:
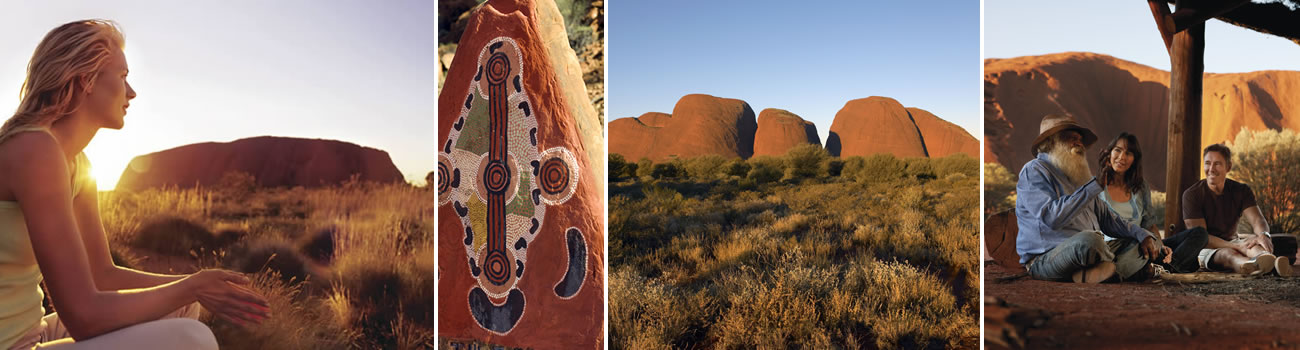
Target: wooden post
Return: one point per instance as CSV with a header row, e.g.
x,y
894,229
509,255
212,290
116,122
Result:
x,y
1187,70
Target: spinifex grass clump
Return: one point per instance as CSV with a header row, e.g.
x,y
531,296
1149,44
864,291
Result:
x,y
799,251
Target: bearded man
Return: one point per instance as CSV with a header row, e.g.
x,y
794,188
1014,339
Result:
x,y
1062,219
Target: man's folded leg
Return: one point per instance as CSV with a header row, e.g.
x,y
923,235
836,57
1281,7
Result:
x,y
1080,252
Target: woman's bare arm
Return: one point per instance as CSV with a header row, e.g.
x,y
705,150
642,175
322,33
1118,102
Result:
x,y
42,190
107,275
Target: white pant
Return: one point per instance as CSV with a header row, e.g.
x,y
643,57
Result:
x,y
180,329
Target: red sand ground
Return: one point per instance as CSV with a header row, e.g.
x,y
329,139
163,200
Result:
x,y
1252,313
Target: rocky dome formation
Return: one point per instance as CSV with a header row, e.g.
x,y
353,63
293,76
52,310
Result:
x,y
943,138
874,125
700,124
273,161
779,130
1111,95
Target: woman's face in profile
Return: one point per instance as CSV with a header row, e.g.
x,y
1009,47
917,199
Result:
x,y
108,99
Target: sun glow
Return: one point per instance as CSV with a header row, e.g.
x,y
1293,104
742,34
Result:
x,y
106,167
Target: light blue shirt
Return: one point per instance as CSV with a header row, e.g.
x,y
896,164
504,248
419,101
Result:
x,y
1048,215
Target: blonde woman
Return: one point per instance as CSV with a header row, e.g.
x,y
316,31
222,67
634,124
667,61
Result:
x,y
49,218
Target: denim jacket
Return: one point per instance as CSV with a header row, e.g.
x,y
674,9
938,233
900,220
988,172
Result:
x,y
1048,215
1141,201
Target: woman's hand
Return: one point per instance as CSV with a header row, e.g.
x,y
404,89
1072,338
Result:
x,y
224,293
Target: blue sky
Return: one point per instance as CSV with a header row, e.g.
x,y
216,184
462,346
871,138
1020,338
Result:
x,y
1124,29
806,57
353,71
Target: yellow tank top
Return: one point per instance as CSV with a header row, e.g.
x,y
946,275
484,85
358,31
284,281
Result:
x,y
20,278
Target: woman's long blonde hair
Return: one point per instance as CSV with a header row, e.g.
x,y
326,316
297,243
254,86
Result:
x,y
73,52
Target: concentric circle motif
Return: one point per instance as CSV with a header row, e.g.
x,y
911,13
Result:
x,y
498,68
557,175
497,177
448,178
554,176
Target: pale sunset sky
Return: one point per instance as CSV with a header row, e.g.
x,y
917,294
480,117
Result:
x,y
359,72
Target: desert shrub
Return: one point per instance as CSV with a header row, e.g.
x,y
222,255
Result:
x,y
319,245
1268,161
236,184
919,168
805,161
766,169
704,167
879,167
619,168
956,163
390,302
269,255
173,236
644,167
735,168
430,180
833,167
667,170
1000,189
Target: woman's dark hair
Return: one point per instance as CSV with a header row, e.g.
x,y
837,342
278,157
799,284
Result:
x,y
1132,179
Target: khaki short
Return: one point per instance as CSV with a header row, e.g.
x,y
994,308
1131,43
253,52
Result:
x,y
1205,255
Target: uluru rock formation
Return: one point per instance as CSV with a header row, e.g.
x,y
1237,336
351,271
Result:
x,y
874,125
273,161
943,138
779,130
700,124
520,187
1110,95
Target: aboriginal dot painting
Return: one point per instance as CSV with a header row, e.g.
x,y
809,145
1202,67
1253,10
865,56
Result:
x,y
500,180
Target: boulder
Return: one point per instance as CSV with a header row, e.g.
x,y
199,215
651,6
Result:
x,y
699,125
943,138
779,130
874,125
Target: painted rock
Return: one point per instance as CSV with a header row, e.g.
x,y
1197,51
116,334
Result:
x,y
699,125
273,161
874,125
943,138
520,196
779,130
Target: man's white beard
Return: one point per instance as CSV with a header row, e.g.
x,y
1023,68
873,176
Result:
x,y
1070,160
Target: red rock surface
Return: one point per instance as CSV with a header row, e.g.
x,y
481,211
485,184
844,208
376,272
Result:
x,y
1110,95
943,138
634,137
700,124
779,130
874,125
274,161
564,119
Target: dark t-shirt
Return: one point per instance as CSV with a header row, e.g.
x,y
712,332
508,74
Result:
x,y
1221,211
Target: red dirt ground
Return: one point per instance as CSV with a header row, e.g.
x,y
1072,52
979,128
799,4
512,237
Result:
x,y
1223,312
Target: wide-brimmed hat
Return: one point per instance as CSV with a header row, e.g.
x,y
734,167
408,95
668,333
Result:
x,y
1053,124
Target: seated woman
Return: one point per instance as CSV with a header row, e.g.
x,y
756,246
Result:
x,y
1129,197
49,218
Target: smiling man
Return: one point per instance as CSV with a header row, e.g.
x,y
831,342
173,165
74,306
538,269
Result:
x,y
1217,203
1062,220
